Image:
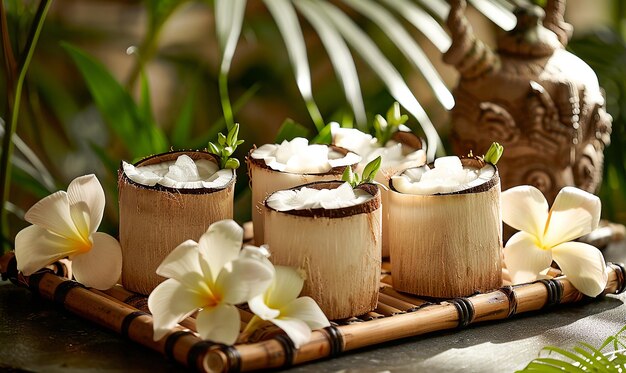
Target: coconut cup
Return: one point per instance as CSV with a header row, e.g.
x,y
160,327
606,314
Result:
x,y
338,249
264,180
411,142
154,220
449,244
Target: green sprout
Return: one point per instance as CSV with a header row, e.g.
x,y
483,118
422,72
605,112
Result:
x,y
226,146
385,128
368,175
494,153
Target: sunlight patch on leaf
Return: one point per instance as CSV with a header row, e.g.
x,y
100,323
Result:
x,y
440,8
496,13
340,58
422,21
385,70
407,45
228,23
287,21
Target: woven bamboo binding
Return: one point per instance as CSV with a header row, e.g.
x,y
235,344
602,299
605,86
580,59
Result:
x,y
397,316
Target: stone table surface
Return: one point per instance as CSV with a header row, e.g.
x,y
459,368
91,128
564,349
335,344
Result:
x,y
37,336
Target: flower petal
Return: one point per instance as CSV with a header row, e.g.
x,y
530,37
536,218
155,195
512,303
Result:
x,y
573,214
87,200
221,244
524,259
286,287
297,330
36,247
243,279
53,213
219,324
526,209
170,302
101,266
183,264
305,309
583,265
258,307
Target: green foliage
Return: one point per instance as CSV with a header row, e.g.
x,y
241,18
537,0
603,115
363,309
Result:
x,y
368,175
385,128
289,130
133,126
494,153
15,76
609,357
605,52
324,136
226,146
181,132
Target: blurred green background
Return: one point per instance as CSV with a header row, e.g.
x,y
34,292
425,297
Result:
x,y
165,57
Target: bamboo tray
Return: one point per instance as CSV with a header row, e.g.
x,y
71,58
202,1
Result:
x,y
396,316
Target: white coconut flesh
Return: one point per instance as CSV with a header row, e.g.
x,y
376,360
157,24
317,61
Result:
x,y
297,156
184,173
447,176
393,154
309,198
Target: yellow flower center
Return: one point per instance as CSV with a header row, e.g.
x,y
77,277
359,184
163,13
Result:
x,y
83,245
212,300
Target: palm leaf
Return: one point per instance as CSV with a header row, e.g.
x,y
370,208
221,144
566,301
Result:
x,y
140,137
289,130
439,8
540,367
181,132
422,21
496,12
285,16
145,102
560,364
340,57
386,71
228,22
38,170
407,45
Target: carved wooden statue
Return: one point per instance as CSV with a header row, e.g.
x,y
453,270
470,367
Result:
x,y
535,98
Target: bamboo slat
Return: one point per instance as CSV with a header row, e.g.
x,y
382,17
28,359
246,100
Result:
x,y
397,316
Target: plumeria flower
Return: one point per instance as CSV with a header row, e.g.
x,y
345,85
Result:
x,y
65,225
281,306
547,235
212,275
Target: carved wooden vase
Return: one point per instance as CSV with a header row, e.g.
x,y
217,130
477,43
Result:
x,y
541,102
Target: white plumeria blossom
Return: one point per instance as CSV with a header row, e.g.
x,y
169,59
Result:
x,y
281,306
65,224
546,235
211,275
395,156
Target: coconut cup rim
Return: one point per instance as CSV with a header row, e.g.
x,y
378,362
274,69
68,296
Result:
x,y
338,170
342,212
169,156
410,139
475,162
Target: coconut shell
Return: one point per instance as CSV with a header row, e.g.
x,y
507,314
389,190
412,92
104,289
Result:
x,y
154,220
